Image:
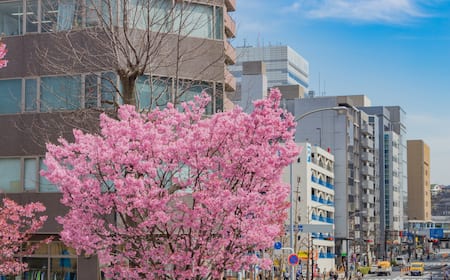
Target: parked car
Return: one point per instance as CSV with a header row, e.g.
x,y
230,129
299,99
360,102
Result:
x,y
373,268
401,261
417,268
384,268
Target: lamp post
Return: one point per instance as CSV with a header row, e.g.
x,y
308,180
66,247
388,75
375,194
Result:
x,y
291,195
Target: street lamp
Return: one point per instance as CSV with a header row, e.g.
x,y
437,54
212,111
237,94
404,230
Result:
x,y
291,198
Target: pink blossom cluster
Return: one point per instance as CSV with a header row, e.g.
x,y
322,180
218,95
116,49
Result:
x,y
17,223
3,51
173,194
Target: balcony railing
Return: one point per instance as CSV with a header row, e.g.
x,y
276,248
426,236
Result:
x,y
231,5
322,219
230,81
230,25
230,53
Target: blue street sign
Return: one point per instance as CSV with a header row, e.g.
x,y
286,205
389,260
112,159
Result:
x,y
277,245
436,232
300,228
293,259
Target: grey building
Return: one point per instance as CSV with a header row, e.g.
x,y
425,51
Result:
x,y
392,177
348,135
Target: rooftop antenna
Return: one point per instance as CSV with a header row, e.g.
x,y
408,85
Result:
x,y
324,87
320,93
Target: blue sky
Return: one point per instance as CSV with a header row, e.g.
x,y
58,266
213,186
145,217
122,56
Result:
x,y
397,52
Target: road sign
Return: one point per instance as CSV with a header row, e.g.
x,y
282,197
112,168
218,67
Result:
x,y
436,232
277,245
293,259
315,228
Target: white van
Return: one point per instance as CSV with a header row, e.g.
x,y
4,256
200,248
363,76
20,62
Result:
x,y
401,261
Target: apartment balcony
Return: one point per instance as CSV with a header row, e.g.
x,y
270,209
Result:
x,y
231,5
368,198
328,220
365,129
367,157
230,54
230,81
366,184
367,143
367,170
230,26
321,182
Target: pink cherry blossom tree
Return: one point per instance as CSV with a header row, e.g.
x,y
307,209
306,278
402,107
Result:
x,y
173,194
17,223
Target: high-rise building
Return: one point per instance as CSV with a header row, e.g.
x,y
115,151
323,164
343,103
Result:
x,y
419,192
63,69
392,176
284,66
350,138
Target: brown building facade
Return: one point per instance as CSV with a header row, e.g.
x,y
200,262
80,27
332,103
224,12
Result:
x,y
419,192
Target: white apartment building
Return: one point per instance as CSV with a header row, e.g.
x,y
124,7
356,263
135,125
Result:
x,y
312,179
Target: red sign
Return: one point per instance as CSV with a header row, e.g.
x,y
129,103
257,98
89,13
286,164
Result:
x,y
293,259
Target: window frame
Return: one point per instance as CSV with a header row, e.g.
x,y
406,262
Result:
x,y
22,175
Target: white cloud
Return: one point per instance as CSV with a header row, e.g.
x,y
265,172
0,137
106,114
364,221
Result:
x,y
384,11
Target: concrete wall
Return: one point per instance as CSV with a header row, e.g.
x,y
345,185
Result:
x,y
51,53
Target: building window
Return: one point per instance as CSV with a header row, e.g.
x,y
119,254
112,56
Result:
x,y
108,90
47,94
58,93
10,170
32,18
218,34
51,261
187,89
31,95
22,174
44,184
194,20
91,91
30,174
185,18
10,96
11,15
